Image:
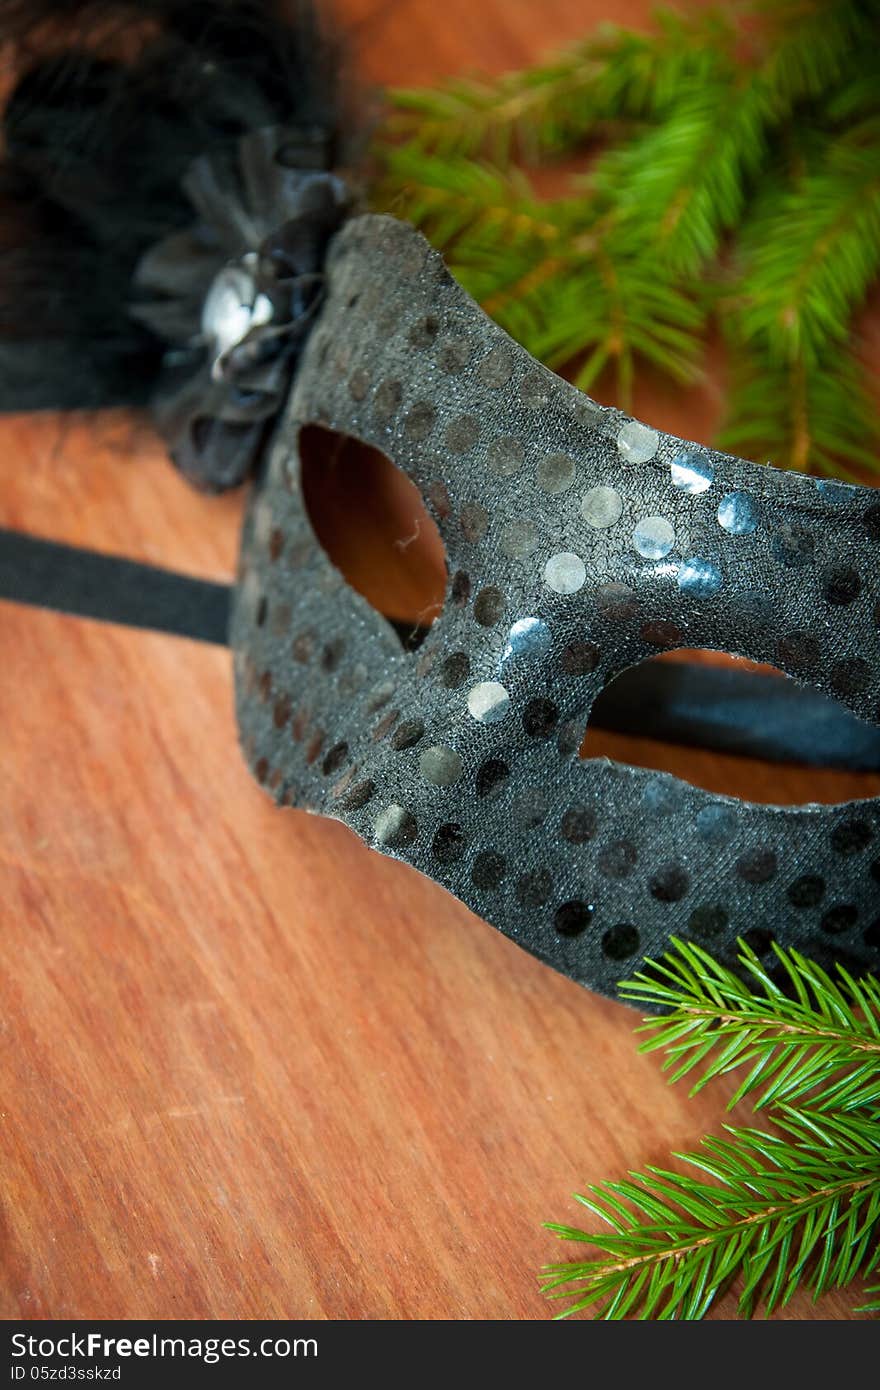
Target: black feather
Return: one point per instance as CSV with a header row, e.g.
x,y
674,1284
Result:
x,y
112,103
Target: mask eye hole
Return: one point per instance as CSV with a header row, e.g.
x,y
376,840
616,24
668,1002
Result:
x,y
654,698
372,523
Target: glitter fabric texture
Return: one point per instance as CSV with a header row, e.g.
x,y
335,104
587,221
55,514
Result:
x,y
583,542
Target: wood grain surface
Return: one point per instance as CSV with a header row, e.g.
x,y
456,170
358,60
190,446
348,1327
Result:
x,y
249,1068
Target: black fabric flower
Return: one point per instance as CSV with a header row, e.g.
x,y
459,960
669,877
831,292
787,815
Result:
x,y
234,297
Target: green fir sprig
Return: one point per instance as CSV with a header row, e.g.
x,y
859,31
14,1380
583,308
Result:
x,y
794,1206
717,172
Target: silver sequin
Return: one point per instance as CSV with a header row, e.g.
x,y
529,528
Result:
x,y
441,765
393,824
653,537
601,507
555,473
716,823
504,456
660,795
699,578
830,490
691,472
636,442
565,573
518,538
738,513
528,637
488,702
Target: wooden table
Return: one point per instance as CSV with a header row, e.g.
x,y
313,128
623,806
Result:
x,y
250,1068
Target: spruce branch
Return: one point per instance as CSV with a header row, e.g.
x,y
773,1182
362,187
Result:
x,y
728,176
804,1037
809,253
780,1212
615,76
685,181
798,1206
807,257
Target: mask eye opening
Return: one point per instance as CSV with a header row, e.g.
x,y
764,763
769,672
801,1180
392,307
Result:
x,y
373,525
734,728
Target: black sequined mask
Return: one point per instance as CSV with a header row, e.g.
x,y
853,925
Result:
x,y
579,543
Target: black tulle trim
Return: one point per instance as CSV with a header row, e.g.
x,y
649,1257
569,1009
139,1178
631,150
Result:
x,y
113,102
